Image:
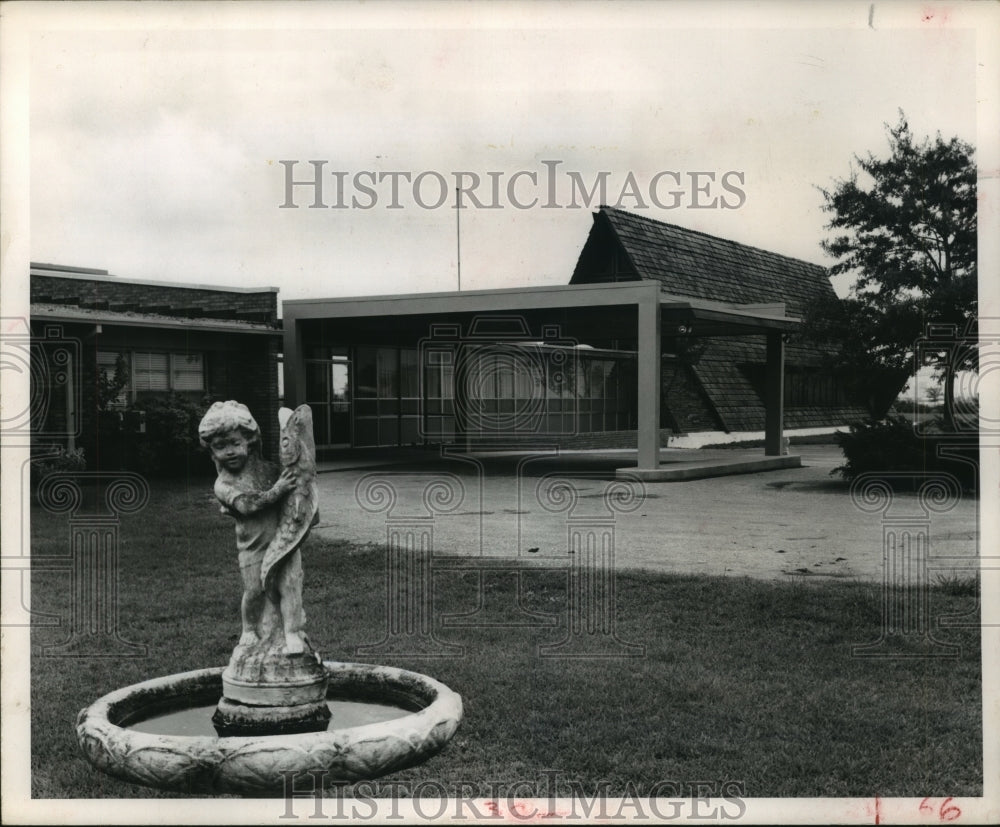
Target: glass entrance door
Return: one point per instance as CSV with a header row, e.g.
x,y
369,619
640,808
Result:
x,y
328,393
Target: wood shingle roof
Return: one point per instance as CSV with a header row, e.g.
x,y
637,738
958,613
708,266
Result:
x,y
690,263
623,246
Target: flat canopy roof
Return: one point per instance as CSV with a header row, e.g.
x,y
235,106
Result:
x,y
713,318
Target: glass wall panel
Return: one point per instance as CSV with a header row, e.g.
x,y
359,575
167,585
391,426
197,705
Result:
x,y
388,373
410,430
447,382
409,373
432,382
316,383
365,432
388,430
398,400
321,431
506,365
525,384
365,374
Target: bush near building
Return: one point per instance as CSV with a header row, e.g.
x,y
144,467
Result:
x,y
165,446
892,446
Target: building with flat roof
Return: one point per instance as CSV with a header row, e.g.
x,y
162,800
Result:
x,y
660,331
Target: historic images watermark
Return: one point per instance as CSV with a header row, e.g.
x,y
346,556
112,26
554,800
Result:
x,y
409,545
494,380
49,361
95,503
315,186
34,424
970,355
413,502
528,799
590,543
40,424
49,426
908,558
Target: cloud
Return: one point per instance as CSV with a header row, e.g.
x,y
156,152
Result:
x,y
154,153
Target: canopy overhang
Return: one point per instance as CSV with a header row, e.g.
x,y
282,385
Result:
x,y
638,307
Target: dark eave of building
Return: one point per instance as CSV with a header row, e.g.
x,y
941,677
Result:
x,y
71,314
85,274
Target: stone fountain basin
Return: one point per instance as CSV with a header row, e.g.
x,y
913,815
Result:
x,y
430,714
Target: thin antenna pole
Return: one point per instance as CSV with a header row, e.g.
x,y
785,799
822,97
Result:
x,y
458,234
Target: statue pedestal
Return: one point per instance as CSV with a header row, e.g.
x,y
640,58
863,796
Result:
x,y
271,692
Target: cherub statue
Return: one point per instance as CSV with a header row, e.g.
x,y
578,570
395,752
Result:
x,y
274,511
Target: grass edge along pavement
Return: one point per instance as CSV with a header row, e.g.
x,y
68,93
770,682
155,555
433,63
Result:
x,y
742,681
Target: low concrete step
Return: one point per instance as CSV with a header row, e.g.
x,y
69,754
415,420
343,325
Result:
x,y
701,469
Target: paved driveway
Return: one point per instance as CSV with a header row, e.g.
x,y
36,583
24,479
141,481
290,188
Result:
x,y
798,522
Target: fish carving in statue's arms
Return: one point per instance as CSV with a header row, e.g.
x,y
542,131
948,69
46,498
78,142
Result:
x,y
300,508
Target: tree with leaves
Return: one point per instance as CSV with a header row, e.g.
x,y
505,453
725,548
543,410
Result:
x,y
905,228
111,384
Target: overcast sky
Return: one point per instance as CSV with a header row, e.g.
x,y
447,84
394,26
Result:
x,y
154,150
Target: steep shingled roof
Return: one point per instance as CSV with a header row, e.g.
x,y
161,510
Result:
x,y
691,263
625,246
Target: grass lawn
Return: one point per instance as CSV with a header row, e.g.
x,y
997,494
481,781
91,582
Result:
x,y
742,681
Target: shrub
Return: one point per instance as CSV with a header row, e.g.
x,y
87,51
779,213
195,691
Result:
x,y
891,445
958,585
63,460
170,446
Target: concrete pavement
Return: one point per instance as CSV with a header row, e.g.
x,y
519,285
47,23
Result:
x,y
781,524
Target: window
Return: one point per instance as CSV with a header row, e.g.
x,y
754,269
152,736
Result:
x,y
149,372
388,372
804,387
409,373
280,367
154,371
439,394
187,372
365,373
